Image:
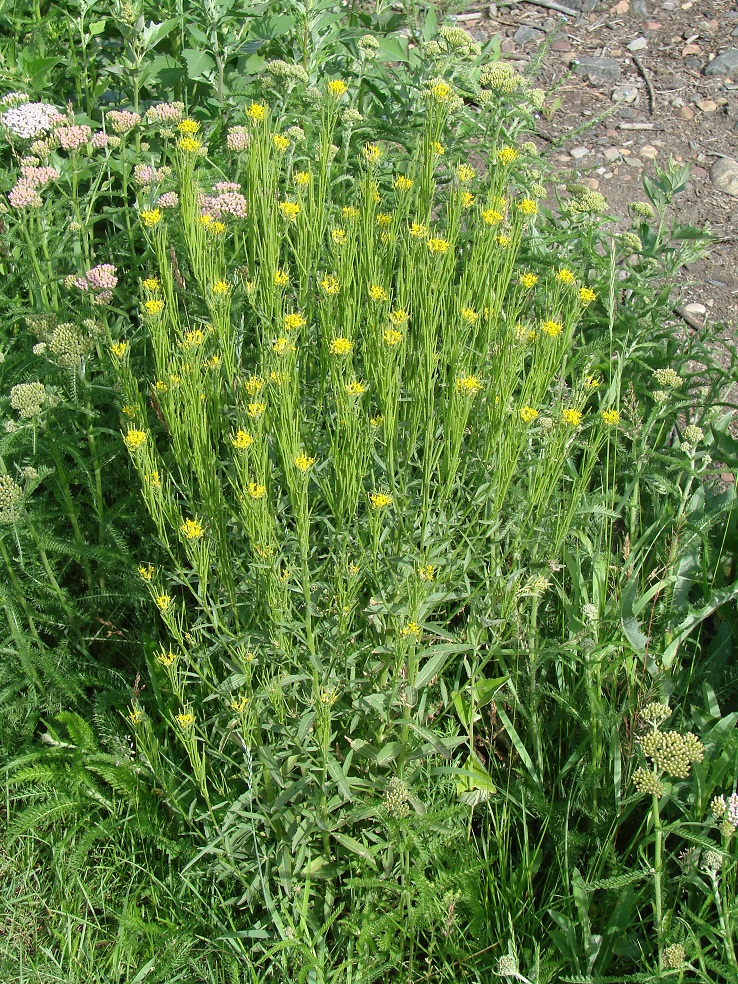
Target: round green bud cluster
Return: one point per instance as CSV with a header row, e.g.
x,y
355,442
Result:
x,y
693,434
537,191
672,752
589,203
295,133
655,713
590,614
69,346
286,73
500,77
667,378
718,807
674,956
642,209
39,348
28,399
661,396
459,43
536,98
632,243
712,860
529,148
368,46
42,325
507,966
646,781
11,496
350,116
396,799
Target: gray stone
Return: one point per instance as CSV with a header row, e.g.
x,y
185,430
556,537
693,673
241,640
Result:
x,y
625,94
526,35
638,44
639,8
724,175
691,61
735,32
611,155
578,153
597,69
724,64
669,5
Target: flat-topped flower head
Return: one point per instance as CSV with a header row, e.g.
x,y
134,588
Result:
x,y
290,210
256,112
565,276
303,463
591,382
491,216
135,439
418,230
193,338
151,217
163,602
167,658
281,278
469,315
437,148
571,416
338,236
281,143
119,349
586,295
384,219
403,183
185,720
411,630
301,178
528,414
399,316
330,285
378,293
188,127
611,417
506,155
467,199
392,336
255,410
293,321
468,385
337,88
527,280
282,346
527,207
380,500
151,284
241,440
436,244
340,346
220,288
153,306
355,388
256,491
188,145
552,328
427,572
192,529
254,385
372,152
146,572
465,173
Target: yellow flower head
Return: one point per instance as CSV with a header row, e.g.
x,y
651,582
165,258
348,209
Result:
x,y
119,349
151,284
150,217
506,155
153,307
163,602
392,336
254,385
134,715
241,440
565,276
337,88
528,414
338,236
528,280
399,316
355,388
188,127
528,207
490,216
441,91
146,572
465,173
611,417
135,439
350,213
504,242
591,382
412,629
192,529
188,145
282,346
340,346
301,178
281,143
281,278
377,293
418,230
256,112
160,386
372,153
468,385
167,658
571,416
586,296
377,421
289,210
303,463
384,219
239,704
467,199
217,228
293,321
402,183
193,338
438,149
469,315
185,720
552,328
255,410
438,245
330,285
427,572
256,491
380,500
153,479
220,288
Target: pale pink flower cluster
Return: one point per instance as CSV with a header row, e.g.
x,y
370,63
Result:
x,y
145,174
73,137
227,186
100,281
122,120
25,193
100,140
29,120
165,113
170,199
226,203
238,138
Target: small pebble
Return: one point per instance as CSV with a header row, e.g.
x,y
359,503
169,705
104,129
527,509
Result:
x,y
649,152
695,308
611,154
706,105
684,113
579,152
592,183
638,44
724,176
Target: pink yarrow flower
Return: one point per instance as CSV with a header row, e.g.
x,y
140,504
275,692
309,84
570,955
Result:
x,y
38,177
223,186
170,199
100,279
122,120
99,140
72,138
24,195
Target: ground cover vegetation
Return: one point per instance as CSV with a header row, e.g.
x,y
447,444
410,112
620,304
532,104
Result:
x,y
369,579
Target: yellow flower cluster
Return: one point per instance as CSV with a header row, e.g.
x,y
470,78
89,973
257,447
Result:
x,y
355,388
281,278
437,244
330,285
340,346
293,321
256,491
586,295
611,417
241,440
552,328
220,288
135,439
392,336
506,155
565,276
255,410
256,112
380,500
303,463
490,216
188,127
468,385
528,414
571,416
528,280
188,145
465,173
153,307
337,88
377,293
192,529
372,153
119,349
281,143
150,217
290,210
301,178
402,183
